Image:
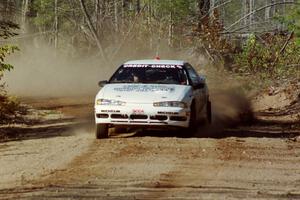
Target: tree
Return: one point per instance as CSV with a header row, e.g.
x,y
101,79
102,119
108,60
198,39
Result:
x,y
105,27
292,21
6,31
8,106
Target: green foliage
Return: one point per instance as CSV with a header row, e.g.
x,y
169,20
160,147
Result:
x,y
45,10
180,9
4,51
208,40
292,20
7,29
254,57
266,58
9,106
273,55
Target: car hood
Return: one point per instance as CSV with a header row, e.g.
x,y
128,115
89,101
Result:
x,y
144,93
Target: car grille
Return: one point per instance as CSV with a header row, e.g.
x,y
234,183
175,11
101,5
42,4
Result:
x,y
119,116
159,117
138,117
102,116
141,118
178,118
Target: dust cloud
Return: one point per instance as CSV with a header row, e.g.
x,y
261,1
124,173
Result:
x,y
40,72
230,108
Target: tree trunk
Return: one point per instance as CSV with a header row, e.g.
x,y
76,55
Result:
x,y
203,11
267,11
138,6
23,18
245,11
212,5
96,13
116,15
149,24
251,9
170,37
203,7
272,9
93,30
55,24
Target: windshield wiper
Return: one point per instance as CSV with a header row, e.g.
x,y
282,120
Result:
x,y
166,82
121,82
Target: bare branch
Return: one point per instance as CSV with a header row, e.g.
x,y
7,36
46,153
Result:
x,y
137,15
283,48
257,10
93,30
211,10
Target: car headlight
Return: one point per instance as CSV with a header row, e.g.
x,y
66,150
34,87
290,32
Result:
x,y
110,102
178,104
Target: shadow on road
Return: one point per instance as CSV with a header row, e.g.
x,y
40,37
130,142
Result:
x,y
258,129
262,129
223,126
64,128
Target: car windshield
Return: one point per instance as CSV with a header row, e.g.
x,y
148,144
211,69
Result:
x,y
157,74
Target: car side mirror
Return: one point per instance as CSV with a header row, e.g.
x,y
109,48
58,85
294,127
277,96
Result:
x,y
102,83
202,82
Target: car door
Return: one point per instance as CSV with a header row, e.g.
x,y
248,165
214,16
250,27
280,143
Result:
x,y
198,92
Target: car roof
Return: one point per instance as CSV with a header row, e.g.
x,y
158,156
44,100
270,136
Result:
x,y
150,62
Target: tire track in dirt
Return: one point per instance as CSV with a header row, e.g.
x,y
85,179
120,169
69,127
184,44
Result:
x,y
109,167
24,161
238,170
242,164
169,168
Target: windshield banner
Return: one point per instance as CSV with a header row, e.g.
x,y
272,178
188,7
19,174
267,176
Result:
x,y
153,66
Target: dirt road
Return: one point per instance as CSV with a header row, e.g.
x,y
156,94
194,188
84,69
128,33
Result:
x,y
62,160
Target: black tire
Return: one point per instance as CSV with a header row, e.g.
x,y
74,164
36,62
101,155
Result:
x,y
193,121
208,112
191,130
101,131
120,130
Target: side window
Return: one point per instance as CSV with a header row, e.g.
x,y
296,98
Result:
x,y
194,78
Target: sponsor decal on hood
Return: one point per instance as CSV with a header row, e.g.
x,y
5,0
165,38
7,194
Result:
x,y
144,88
144,93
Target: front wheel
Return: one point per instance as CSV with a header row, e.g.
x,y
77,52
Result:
x,y
120,130
191,130
101,131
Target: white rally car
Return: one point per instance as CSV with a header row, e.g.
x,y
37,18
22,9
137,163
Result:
x,y
152,94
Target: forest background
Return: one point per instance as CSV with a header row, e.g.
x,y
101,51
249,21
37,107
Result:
x,y
257,40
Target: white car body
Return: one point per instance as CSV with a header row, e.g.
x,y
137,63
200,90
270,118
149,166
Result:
x,y
134,104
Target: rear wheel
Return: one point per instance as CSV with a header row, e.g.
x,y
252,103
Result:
x,y
101,131
193,122
208,112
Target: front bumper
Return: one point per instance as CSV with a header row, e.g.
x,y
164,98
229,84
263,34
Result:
x,y
142,115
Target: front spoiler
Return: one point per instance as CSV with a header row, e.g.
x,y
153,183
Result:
x,y
148,112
